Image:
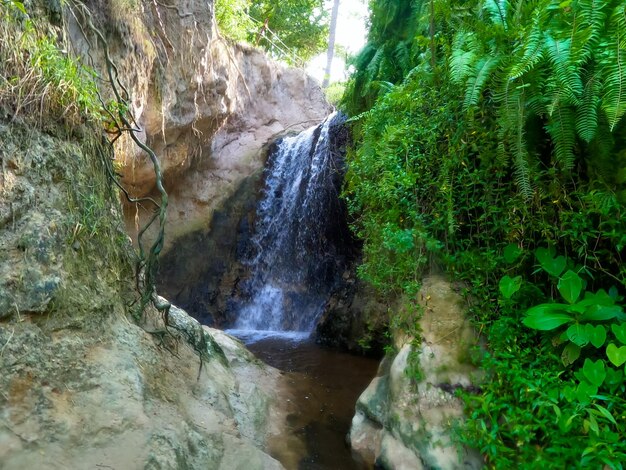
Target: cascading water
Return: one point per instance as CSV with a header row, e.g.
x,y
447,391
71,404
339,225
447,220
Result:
x,y
296,256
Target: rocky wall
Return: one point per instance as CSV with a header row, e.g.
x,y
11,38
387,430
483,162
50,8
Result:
x,y
205,105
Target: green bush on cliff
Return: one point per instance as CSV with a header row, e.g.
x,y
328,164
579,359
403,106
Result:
x,y
484,131
40,81
291,30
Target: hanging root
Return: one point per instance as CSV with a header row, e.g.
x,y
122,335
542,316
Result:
x,y
122,121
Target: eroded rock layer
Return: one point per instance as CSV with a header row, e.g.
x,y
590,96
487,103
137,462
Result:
x,y
205,106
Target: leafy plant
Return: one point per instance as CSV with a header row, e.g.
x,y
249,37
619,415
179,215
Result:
x,y
484,130
292,30
587,328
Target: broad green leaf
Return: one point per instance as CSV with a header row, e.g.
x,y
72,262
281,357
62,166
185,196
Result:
x,y
585,391
600,297
511,253
600,312
549,263
546,317
620,332
613,377
570,286
596,334
570,353
569,393
577,334
594,371
606,413
616,355
509,285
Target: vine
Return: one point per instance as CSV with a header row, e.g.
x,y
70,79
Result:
x,y
122,121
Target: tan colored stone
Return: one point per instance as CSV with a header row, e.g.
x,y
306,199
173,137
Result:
x,y
405,421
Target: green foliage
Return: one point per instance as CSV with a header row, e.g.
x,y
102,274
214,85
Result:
x,y
334,92
233,19
41,82
499,130
587,396
291,30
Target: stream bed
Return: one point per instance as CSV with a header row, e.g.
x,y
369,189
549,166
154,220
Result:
x,y
320,389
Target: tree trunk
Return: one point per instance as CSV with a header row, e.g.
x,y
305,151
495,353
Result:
x,y
331,43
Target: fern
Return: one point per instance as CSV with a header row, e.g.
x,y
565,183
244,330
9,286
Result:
x,y
594,15
567,84
614,68
462,57
498,11
587,112
515,120
533,52
562,129
402,56
479,76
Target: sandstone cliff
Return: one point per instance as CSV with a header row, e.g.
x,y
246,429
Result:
x,y
206,106
83,385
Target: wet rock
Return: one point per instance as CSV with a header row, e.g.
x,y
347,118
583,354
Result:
x,y
355,318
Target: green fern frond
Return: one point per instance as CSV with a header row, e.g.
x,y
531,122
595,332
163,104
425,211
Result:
x,y
593,14
568,84
522,175
373,67
402,56
614,68
462,56
562,129
587,112
533,52
502,156
480,74
498,11
516,107
537,105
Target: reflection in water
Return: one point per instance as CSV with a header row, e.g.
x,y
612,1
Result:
x,y
322,386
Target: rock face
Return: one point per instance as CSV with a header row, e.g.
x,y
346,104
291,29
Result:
x,y
206,106
114,397
403,418
82,386
354,318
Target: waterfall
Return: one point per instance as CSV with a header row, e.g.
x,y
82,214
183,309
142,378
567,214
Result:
x,y
296,256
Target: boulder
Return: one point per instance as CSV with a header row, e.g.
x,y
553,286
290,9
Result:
x,y
119,397
405,415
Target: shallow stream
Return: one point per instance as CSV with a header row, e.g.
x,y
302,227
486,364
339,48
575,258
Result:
x,y
320,389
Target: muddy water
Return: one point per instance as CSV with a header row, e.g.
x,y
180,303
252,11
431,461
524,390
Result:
x,y
319,392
